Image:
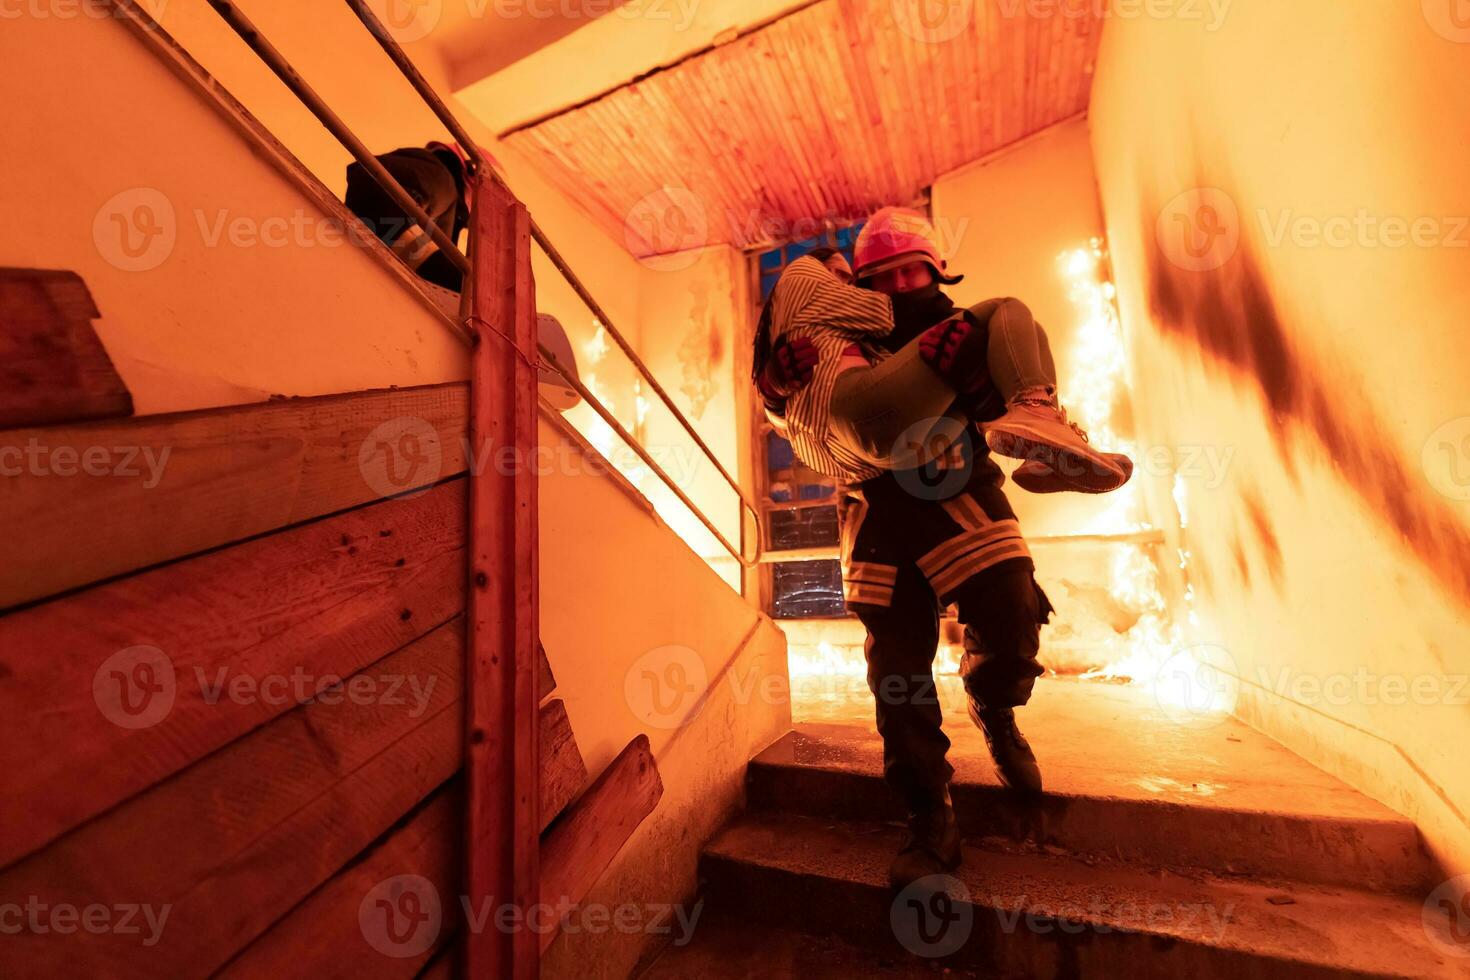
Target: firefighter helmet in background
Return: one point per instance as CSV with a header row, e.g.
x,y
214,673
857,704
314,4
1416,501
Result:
x,y
558,394
897,236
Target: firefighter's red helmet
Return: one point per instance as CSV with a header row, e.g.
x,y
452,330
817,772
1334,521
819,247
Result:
x,y
894,237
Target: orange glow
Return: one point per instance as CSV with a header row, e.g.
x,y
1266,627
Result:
x,y
1093,391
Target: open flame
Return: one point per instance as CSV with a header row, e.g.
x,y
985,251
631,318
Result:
x,y
1097,385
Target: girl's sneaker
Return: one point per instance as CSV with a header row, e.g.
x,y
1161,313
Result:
x,y
1035,428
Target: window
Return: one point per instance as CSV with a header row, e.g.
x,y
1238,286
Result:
x,y
798,504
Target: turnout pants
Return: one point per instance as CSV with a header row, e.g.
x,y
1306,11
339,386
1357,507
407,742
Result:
x,y
912,543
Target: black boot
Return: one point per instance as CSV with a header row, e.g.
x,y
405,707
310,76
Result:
x,y
931,847
1015,763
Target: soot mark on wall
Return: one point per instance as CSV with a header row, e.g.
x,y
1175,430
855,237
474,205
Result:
x,y
1231,317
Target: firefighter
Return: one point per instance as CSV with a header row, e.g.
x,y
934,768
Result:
x,y
436,176
929,529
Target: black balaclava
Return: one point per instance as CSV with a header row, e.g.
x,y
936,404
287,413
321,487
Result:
x,y
917,311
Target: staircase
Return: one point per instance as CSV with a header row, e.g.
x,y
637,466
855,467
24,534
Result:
x,y
1166,845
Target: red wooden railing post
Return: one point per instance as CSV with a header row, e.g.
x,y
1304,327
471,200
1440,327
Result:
x,y
501,755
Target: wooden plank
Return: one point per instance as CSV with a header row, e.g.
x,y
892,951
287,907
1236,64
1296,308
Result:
x,y
502,825
578,849
234,842
563,773
119,685
53,367
341,933
445,966
167,486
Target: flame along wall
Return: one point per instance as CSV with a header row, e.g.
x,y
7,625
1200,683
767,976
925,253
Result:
x,y
1286,202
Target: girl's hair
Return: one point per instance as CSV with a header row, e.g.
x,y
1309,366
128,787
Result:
x,y
762,352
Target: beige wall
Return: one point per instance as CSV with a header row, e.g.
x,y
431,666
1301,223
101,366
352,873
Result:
x,y
644,637
221,318
98,128
1331,563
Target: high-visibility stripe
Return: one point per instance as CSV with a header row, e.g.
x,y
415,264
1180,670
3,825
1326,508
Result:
x,y
973,562
966,512
869,596
869,572
936,559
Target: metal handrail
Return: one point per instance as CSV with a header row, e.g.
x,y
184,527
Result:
x,y
308,96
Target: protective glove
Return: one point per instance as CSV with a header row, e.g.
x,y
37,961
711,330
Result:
x,y
957,350
790,369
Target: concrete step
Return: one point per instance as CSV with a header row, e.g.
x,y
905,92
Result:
x,y
1125,779
732,949
1043,915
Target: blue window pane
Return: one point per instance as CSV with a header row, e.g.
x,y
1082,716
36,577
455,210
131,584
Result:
x,y
771,261
807,589
801,527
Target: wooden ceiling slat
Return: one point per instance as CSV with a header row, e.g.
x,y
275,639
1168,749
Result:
x,y
820,116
